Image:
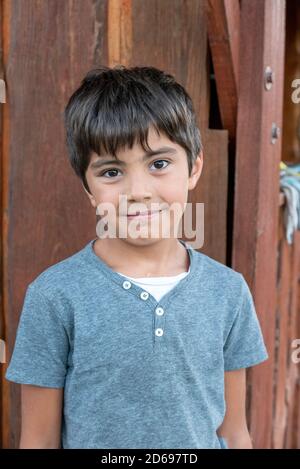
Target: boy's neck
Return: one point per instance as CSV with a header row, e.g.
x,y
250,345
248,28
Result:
x,y
163,258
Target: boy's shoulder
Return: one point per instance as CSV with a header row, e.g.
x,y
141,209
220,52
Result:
x,y
216,275
220,284
216,268
66,272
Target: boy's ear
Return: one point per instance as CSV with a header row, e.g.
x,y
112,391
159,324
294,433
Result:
x,y
196,171
90,196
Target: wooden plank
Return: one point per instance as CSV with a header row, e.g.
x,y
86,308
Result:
x,y
214,175
290,153
282,351
257,186
8,416
293,332
119,32
297,335
223,24
172,35
2,323
47,214
290,131
297,325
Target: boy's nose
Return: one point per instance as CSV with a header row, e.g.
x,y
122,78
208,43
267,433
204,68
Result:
x,y
138,190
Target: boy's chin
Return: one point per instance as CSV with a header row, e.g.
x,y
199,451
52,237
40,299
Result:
x,y
142,241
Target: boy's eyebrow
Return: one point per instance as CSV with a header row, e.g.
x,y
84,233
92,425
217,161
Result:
x,y
101,162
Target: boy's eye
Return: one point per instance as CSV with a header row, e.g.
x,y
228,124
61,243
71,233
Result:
x,y
109,171
159,161
112,170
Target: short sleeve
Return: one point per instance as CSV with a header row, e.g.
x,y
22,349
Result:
x,y
41,347
244,345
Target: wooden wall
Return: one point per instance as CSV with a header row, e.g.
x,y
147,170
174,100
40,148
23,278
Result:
x,y
291,125
48,47
286,415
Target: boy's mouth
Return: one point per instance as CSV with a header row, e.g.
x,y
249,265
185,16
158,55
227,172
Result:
x,y
147,214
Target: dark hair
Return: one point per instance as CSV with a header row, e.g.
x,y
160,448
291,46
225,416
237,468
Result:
x,y
114,107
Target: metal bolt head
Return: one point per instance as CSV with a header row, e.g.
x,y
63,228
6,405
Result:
x,y
275,133
269,78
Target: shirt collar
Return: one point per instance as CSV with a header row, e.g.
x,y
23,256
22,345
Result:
x,y
135,289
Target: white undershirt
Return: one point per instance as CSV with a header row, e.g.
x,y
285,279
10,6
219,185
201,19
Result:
x,y
157,286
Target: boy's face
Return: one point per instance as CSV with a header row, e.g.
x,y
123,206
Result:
x,y
153,183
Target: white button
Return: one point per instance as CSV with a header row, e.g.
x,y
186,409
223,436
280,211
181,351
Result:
x,y
144,295
126,284
159,332
159,311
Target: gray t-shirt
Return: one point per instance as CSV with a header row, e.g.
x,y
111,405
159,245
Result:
x,y
136,373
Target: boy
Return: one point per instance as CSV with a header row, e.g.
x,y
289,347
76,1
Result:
x,y
135,341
